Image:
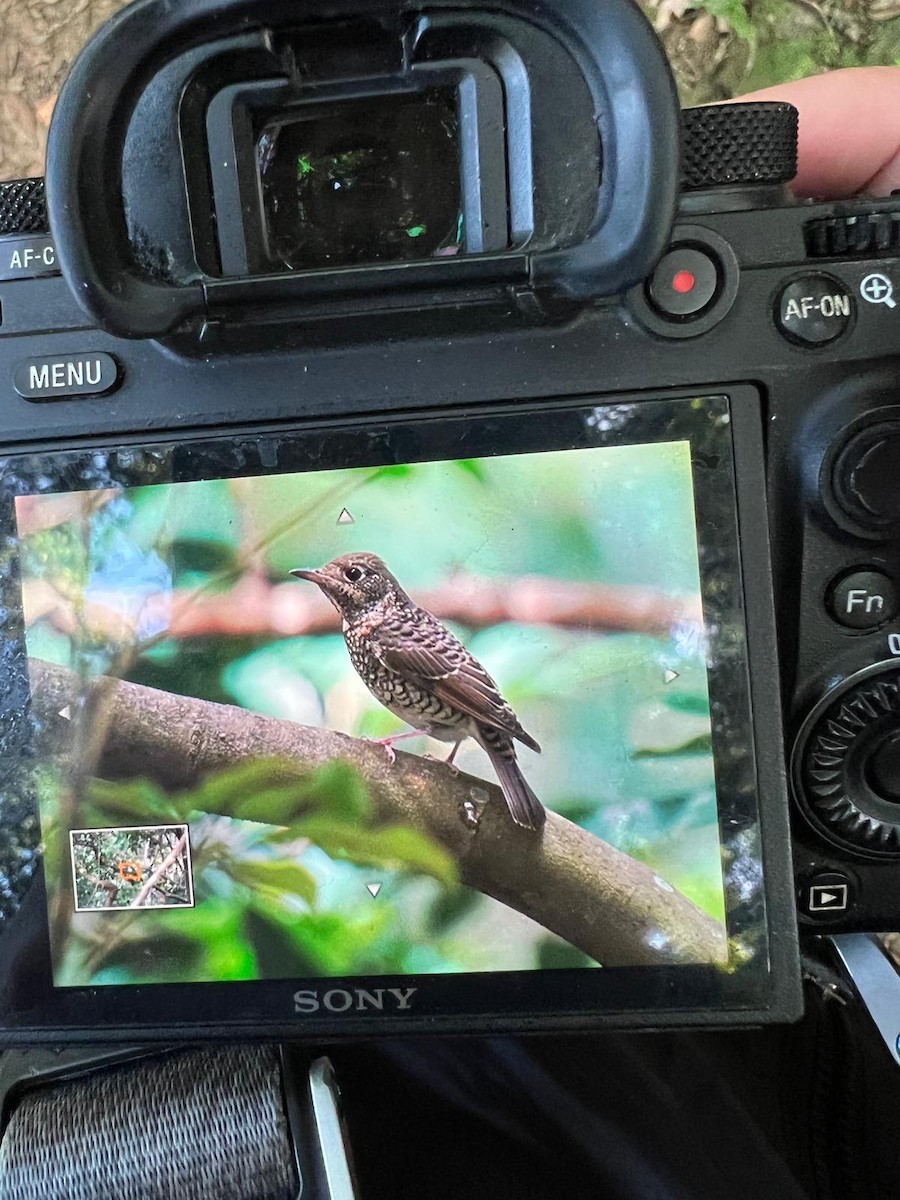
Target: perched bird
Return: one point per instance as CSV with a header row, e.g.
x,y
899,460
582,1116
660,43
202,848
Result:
x,y
423,674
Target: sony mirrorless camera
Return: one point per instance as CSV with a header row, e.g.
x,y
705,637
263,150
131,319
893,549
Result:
x,y
419,368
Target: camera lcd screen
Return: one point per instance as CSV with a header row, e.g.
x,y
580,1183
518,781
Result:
x,y
201,781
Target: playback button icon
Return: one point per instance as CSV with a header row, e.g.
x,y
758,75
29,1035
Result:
x,y
826,896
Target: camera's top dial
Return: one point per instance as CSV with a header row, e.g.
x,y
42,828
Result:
x,y
736,145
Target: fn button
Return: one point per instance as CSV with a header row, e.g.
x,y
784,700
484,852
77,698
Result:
x,y
863,600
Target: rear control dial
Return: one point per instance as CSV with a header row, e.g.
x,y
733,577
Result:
x,y
853,236
846,764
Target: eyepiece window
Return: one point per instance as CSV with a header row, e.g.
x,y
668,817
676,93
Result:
x,y
363,180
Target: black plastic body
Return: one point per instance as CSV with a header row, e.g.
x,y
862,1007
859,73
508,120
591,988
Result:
x,y
255,357
806,398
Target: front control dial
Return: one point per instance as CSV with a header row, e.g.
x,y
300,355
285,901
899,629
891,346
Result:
x,y
846,763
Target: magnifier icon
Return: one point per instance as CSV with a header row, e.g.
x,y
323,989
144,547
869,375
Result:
x,y
878,289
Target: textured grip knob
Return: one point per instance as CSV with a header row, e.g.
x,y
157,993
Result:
x,y
845,763
23,207
731,145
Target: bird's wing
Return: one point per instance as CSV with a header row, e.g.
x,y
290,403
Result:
x,y
421,647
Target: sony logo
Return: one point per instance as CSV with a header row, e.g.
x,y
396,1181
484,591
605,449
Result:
x,y
341,1000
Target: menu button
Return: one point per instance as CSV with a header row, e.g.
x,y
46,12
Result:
x,y
61,376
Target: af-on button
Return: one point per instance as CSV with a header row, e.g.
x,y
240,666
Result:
x,y
813,310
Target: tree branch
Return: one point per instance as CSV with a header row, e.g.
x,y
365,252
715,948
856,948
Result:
x,y
256,607
173,855
617,910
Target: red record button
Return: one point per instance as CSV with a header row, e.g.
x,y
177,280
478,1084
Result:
x,y
685,282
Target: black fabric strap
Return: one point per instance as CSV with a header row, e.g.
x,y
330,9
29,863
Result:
x,y
198,1125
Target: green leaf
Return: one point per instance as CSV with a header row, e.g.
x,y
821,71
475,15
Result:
x,y
275,792
702,744
339,788
336,789
472,466
329,942
399,471
393,847
274,877
576,809
689,702
555,954
136,798
199,945
735,13
272,791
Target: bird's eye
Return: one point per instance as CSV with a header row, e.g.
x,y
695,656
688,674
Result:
x,y
352,574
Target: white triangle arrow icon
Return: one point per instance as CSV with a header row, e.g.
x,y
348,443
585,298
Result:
x,y
346,518
827,897
66,712
373,889
669,675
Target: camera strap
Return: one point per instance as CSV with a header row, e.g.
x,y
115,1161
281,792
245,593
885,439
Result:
x,y
877,982
193,1125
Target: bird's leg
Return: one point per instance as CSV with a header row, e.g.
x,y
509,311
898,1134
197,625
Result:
x,y
450,757
388,742
448,761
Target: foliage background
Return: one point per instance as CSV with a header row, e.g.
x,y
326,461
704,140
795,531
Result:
x,y
724,48
626,755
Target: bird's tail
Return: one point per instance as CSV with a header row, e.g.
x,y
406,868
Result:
x,y
524,807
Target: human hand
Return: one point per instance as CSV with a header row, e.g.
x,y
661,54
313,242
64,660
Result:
x,y
849,131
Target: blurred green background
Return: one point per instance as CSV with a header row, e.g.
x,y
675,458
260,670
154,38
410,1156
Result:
x,y
625,754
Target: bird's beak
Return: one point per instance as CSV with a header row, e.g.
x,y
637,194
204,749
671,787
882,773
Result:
x,y
308,573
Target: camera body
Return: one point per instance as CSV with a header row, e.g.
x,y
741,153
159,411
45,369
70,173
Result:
x,y
520,299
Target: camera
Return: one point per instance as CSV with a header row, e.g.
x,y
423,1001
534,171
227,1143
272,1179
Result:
x,y
380,370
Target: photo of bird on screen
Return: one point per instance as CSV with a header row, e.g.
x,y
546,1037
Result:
x,y
423,674
241,656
